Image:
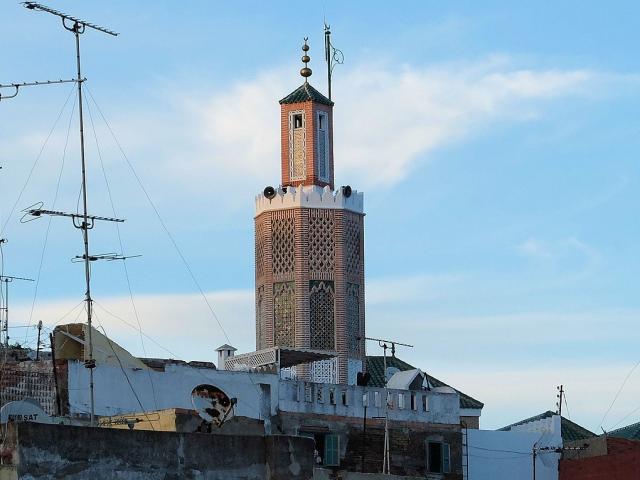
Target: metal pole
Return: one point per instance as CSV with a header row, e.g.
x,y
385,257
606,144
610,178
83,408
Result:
x,y
38,345
385,462
364,436
327,50
534,462
89,361
6,313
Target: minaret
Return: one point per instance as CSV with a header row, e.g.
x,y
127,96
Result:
x,y
310,246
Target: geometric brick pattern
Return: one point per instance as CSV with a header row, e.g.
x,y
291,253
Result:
x,y
353,319
321,244
283,234
284,314
321,311
352,245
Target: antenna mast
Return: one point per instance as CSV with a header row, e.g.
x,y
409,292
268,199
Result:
x,y
78,27
386,344
332,55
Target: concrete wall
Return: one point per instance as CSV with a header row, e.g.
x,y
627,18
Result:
x,y
78,453
259,395
497,455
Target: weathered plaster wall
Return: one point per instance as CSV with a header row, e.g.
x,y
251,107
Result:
x,y
78,453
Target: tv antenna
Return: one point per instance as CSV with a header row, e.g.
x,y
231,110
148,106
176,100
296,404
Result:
x,y
4,303
385,345
84,221
332,55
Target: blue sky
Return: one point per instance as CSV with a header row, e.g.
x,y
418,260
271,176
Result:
x,y
496,143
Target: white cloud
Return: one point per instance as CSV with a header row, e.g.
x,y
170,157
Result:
x,y
387,117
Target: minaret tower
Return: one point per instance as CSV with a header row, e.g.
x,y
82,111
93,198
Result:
x,y
310,246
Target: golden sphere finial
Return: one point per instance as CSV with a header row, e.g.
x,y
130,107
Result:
x,y
305,71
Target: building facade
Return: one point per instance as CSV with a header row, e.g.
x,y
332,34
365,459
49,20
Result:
x,y
309,247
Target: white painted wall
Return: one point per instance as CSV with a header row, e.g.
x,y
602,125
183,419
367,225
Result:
x,y
172,389
498,455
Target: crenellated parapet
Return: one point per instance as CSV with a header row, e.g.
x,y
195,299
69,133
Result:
x,y
310,196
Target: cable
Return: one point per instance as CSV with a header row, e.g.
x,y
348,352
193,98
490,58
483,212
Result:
x,y
564,396
35,163
55,199
162,223
618,393
142,409
122,252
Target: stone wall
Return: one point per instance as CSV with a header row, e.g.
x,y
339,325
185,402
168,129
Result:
x,y
78,453
362,451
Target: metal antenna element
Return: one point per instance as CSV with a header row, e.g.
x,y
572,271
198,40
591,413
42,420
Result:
x,y
65,18
16,86
386,344
332,55
4,305
85,221
305,71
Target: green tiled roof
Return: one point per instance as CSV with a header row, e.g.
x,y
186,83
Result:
x,y
375,367
569,431
306,93
630,432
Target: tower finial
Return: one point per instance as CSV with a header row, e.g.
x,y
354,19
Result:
x,y
305,71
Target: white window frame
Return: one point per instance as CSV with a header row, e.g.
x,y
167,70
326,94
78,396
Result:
x,y
325,134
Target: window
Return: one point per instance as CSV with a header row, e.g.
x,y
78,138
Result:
x,y
343,396
414,405
331,450
365,399
322,147
425,404
400,400
297,146
332,396
376,399
438,457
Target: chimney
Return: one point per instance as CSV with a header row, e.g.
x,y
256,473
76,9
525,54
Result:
x,y
225,351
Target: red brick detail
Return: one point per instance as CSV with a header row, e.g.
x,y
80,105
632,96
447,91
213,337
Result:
x,y
310,111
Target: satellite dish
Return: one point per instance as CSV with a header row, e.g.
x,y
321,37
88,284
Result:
x,y
212,404
391,371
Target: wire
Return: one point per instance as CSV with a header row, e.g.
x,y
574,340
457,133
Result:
x,y
564,396
142,409
618,393
162,223
122,252
35,163
497,450
55,200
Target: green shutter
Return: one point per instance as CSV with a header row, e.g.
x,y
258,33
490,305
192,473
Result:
x,y
446,458
332,450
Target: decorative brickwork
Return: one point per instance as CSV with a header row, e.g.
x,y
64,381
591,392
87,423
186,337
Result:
x,y
321,311
260,316
261,249
353,319
352,244
321,244
310,249
284,314
283,242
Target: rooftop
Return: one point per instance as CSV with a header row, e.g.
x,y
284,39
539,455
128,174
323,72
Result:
x,y
306,93
630,432
375,367
570,431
